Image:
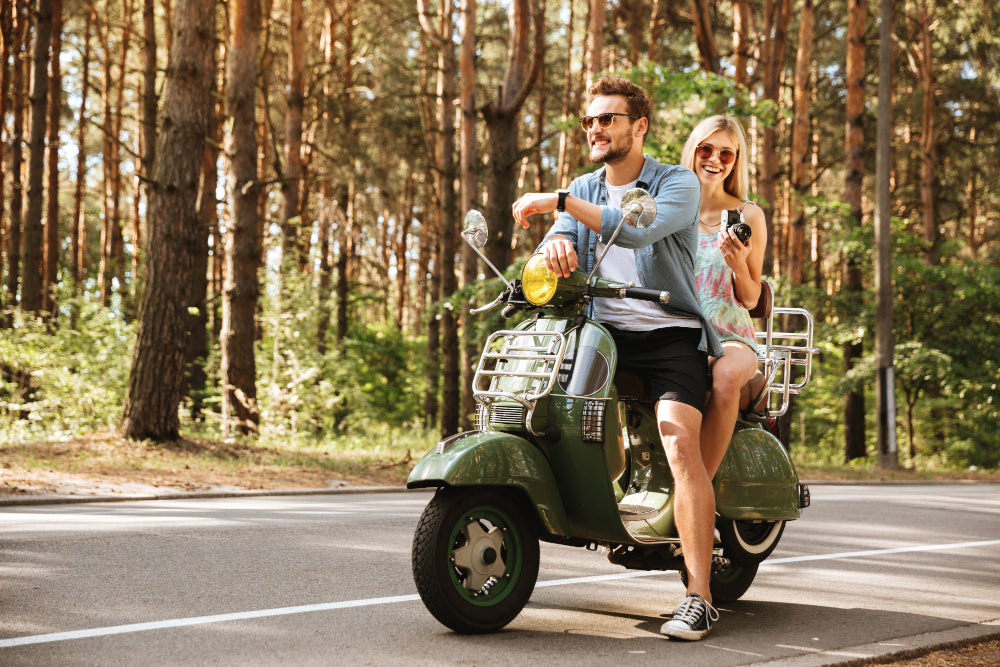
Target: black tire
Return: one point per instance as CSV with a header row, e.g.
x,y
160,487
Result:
x,y
749,541
475,558
730,584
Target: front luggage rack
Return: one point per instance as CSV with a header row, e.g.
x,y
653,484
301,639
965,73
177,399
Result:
x,y
521,366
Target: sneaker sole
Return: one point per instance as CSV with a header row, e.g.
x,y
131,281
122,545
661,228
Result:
x,y
683,633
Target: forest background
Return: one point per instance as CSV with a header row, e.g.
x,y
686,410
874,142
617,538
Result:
x,y
238,221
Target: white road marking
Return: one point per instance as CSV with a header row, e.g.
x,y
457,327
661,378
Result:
x,y
347,604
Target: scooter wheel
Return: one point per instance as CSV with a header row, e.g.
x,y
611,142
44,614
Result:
x,y
749,541
475,558
730,584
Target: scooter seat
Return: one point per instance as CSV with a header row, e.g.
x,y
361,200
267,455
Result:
x,y
631,386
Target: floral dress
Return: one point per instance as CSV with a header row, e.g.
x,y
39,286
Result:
x,y
717,296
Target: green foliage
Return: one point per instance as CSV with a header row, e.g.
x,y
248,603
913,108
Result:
x,y
682,98
64,380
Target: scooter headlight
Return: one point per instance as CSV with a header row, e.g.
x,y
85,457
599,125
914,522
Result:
x,y
537,282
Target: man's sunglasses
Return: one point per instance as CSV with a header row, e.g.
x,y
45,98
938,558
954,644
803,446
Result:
x,y
603,119
706,151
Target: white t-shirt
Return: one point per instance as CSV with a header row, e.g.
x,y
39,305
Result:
x,y
619,265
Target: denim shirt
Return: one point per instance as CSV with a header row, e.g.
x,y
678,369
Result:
x,y
666,250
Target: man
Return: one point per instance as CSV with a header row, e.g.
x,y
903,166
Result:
x,y
668,343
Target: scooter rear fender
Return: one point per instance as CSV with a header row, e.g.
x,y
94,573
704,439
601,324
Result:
x,y
477,458
757,480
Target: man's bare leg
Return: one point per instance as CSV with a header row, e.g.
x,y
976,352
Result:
x,y
694,497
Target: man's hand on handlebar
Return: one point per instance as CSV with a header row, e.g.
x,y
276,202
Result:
x,y
560,256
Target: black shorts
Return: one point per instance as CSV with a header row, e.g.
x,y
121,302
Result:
x,y
669,359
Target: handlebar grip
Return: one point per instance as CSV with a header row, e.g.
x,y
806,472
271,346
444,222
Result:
x,y
656,296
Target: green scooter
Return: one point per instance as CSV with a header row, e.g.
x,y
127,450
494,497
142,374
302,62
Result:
x,y
569,452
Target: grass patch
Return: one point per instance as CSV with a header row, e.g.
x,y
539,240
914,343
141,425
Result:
x,y
202,463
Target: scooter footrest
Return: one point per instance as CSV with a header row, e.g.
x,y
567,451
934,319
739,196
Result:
x,y
636,512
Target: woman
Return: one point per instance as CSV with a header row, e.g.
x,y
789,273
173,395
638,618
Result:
x,y
728,280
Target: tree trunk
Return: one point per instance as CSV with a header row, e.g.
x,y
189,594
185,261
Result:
x,y
31,283
595,41
329,206
928,146
157,380
657,26
17,153
432,365
708,50
345,258
469,169
50,276
400,248
7,28
566,136
445,185
777,18
148,104
854,402
742,44
291,184
78,244
198,295
800,147
502,117
240,287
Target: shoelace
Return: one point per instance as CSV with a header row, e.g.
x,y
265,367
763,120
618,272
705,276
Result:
x,y
689,612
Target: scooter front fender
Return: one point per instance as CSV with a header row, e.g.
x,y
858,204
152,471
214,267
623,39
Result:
x,y
477,458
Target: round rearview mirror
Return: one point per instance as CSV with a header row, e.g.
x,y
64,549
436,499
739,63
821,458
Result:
x,y
638,208
476,231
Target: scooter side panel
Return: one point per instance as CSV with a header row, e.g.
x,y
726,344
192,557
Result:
x,y
757,479
478,458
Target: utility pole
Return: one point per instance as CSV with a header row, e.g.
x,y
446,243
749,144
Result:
x,y
884,340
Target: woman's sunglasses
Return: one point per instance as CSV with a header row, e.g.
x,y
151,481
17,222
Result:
x,y
603,119
706,151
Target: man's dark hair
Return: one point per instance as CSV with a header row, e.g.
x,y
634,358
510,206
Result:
x,y
637,99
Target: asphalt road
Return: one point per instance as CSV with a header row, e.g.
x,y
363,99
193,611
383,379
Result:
x,y
325,580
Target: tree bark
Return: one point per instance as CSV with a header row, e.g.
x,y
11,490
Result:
x,y
291,184
708,50
445,175
198,294
240,287
928,145
7,28
777,18
854,402
31,282
156,382
595,41
469,169
742,44
502,117
78,243
50,275
17,153
800,147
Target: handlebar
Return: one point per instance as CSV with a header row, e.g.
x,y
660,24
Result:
x,y
491,305
645,294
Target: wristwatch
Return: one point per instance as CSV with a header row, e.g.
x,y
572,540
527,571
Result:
x,y
561,206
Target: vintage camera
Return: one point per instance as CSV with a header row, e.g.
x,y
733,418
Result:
x,y
734,219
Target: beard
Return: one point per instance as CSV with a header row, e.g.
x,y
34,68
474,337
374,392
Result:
x,y
613,152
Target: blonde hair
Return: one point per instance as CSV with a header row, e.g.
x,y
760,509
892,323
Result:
x,y
738,181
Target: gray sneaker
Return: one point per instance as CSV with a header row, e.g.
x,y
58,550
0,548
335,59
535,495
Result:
x,y
692,619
